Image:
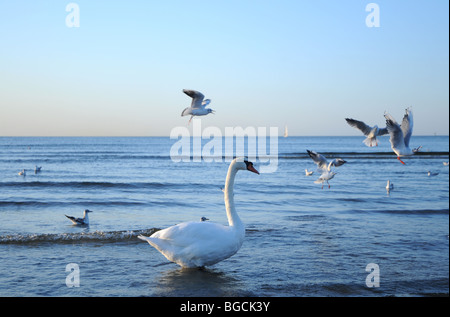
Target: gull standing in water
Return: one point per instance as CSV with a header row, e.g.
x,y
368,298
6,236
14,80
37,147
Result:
x,y
370,132
198,105
202,243
324,167
81,221
400,135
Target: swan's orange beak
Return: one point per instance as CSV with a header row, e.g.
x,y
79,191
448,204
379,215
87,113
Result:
x,y
252,169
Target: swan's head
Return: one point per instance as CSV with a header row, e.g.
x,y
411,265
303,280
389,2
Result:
x,y
242,163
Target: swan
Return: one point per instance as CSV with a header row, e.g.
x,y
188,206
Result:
x,y
400,134
370,132
200,243
198,105
81,221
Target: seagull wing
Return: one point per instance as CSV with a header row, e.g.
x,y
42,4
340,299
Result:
x,y
395,132
319,159
359,125
407,126
197,97
383,131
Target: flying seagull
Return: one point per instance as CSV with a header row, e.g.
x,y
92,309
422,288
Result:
x,y
198,105
370,132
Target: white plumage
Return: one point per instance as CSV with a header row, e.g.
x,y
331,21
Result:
x,y
201,243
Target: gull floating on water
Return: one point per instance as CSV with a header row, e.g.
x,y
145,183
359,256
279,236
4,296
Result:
x,y
432,173
445,163
37,169
370,132
324,167
23,173
389,186
400,135
201,243
198,105
81,221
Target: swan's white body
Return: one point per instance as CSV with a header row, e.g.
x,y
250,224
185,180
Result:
x,y
370,132
198,105
400,134
200,243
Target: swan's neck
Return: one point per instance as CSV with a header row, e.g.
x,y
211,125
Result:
x,y
233,218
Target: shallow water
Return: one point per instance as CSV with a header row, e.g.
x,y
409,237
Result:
x,y
301,240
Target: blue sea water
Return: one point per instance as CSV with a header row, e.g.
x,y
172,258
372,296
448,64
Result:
x,y
301,240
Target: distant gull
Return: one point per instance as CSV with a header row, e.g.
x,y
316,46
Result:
x,y
23,173
324,167
37,169
81,221
445,163
198,105
308,173
400,134
389,186
322,162
370,132
432,173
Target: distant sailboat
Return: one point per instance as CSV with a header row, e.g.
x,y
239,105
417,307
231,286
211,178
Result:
x,y
285,131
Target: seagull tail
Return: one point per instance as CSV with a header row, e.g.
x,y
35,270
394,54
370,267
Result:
x,y
370,141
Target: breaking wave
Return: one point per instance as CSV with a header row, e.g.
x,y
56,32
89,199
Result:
x,y
96,236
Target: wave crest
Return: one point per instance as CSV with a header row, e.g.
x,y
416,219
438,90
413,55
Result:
x,y
95,236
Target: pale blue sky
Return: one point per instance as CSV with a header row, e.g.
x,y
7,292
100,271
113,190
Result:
x,y
307,64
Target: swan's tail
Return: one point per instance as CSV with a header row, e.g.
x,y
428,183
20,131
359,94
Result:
x,y
144,238
371,142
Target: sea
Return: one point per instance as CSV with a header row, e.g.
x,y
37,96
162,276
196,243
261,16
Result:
x,y
350,239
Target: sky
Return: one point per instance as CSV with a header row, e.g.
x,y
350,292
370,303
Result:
x,y
305,64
